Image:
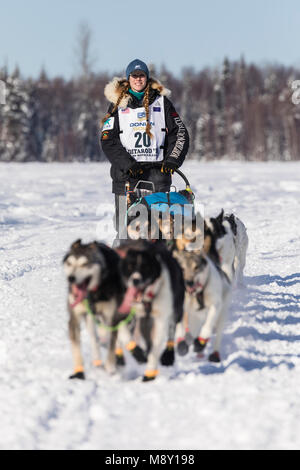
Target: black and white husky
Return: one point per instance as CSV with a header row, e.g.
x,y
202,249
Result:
x,y
155,286
231,243
93,275
207,300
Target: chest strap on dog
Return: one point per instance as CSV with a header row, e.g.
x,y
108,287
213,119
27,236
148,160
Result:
x,y
128,319
151,291
198,291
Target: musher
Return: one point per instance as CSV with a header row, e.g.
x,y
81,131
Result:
x,y
143,136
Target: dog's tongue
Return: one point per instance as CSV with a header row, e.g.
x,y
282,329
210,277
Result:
x,y
130,296
80,293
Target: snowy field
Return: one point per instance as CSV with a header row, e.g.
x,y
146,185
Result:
x,y
249,401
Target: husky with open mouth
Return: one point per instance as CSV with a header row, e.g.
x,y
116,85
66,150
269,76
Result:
x,y
96,292
154,282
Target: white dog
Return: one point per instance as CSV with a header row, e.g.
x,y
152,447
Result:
x,y
208,296
231,243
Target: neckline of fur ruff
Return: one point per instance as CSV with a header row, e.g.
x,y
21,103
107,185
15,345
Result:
x,y
113,90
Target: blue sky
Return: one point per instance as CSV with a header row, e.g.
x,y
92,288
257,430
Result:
x,y
199,33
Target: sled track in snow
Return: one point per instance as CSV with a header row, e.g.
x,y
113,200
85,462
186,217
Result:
x,y
250,400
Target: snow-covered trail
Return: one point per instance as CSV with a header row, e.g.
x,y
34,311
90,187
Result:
x,y
251,400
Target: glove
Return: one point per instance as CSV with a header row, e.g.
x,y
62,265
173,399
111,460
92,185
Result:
x,y
136,170
169,167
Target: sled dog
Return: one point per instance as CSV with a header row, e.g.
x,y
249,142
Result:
x,y
231,243
155,285
208,295
92,272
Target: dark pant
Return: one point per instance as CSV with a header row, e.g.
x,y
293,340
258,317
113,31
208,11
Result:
x,y
162,183
120,218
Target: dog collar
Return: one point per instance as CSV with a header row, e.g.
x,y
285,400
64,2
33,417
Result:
x,y
196,288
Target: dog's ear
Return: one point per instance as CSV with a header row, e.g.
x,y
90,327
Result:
x,y
218,228
76,244
93,246
232,222
220,217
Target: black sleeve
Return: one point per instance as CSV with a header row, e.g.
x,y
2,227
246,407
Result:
x,y
177,138
112,146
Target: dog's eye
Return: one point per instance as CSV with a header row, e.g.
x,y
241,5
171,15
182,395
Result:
x,y
85,265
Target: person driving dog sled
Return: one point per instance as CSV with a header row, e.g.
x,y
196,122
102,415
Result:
x,y
143,136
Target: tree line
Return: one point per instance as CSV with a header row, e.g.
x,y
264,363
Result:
x,y
238,111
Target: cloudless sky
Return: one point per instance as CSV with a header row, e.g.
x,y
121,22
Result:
x,y
198,33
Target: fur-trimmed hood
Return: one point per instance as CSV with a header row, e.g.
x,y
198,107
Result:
x,y
113,90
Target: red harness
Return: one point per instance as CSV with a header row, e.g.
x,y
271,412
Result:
x,y
198,287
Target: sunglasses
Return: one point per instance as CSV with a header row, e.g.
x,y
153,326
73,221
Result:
x,y
140,75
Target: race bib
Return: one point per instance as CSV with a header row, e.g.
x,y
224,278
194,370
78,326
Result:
x,y
133,132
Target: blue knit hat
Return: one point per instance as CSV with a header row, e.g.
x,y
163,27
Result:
x,y
136,65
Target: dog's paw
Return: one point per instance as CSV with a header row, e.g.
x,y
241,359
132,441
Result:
x,y
78,376
182,348
150,375
214,357
139,355
120,361
148,379
200,344
168,357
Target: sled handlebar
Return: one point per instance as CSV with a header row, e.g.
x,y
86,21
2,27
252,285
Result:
x,y
183,177
150,183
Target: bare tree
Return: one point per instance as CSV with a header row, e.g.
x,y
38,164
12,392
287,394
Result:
x,y
84,56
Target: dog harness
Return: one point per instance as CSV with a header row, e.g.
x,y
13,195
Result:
x,y
198,294
133,131
128,319
198,291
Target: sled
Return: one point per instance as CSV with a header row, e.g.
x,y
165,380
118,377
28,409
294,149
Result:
x,y
174,202
138,192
